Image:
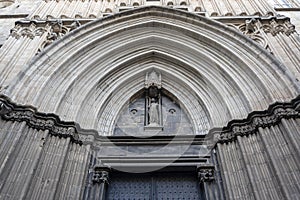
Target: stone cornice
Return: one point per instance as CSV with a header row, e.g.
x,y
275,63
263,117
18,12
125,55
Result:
x,y
10,111
56,28
40,121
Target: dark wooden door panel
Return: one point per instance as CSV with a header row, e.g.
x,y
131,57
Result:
x,y
166,186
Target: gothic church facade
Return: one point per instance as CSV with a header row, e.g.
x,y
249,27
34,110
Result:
x,y
149,99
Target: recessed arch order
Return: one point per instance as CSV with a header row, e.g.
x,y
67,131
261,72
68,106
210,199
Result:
x,y
216,73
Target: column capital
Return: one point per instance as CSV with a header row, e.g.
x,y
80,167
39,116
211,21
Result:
x,y
205,173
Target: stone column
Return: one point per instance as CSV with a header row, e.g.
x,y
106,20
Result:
x,y
100,180
205,177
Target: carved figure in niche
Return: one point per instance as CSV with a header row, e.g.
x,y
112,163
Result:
x,y
153,113
153,100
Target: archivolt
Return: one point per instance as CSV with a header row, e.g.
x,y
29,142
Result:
x,y
216,73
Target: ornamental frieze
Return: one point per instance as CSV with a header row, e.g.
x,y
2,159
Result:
x,y
257,28
274,27
54,30
255,25
39,121
255,120
43,121
30,31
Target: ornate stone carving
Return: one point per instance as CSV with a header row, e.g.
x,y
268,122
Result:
x,y
36,120
58,30
251,28
100,177
101,174
206,173
153,79
31,31
54,29
262,119
274,27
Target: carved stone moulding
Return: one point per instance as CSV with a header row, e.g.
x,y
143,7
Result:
x,y
40,121
255,120
275,26
252,25
10,111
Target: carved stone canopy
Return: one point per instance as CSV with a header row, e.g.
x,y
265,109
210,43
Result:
x,y
153,79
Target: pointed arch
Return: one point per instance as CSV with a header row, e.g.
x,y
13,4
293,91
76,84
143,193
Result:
x,y
217,73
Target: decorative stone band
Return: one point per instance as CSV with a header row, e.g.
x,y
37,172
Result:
x,y
10,111
56,28
53,27
206,173
101,174
273,25
41,121
256,119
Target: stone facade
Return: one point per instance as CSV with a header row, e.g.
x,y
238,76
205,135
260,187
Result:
x,y
149,99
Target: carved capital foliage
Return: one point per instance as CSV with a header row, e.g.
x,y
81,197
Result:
x,y
36,120
255,120
101,174
206,173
